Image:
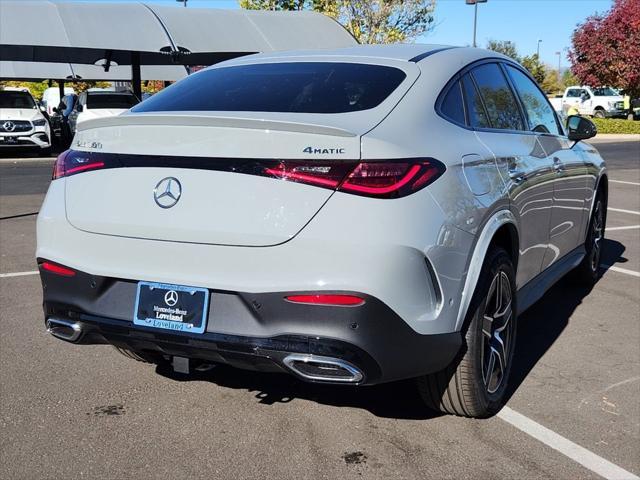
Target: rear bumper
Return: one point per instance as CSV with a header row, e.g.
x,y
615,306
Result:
x,y
255,331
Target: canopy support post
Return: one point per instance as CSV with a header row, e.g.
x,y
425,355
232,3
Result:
x,y
61,89
136,82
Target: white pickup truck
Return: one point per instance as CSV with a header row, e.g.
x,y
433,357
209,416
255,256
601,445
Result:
x,y
598,102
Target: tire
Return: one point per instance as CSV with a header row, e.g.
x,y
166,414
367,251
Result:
x,y
143,357
588,272
474,385
599,113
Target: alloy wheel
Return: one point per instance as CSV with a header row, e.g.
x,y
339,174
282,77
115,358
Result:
x,y
597,235
497,330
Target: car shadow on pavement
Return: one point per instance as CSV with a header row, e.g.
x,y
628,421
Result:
x,y
541,325
398,400
538,329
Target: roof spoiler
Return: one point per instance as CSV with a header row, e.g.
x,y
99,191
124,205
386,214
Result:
x,y
187,119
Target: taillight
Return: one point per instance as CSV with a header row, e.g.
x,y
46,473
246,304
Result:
x,y
330,299
378,179
71,162
372,178
391,179
57,269
327,175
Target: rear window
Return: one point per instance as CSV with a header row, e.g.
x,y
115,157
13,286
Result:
x,y
16,100
301,87
110,100
497,97
453,105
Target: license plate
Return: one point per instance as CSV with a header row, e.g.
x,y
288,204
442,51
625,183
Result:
x,y
8,140
171,307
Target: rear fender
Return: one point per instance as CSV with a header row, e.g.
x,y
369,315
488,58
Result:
x,y
491,226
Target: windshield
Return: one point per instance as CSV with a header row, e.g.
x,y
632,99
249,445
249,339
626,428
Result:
x,y
301,87
111,100
605,92
16,100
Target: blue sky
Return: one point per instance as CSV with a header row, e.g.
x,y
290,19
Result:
x,y
522,21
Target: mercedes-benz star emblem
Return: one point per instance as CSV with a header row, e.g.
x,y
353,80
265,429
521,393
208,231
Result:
x,y
171,298
167,192
9,126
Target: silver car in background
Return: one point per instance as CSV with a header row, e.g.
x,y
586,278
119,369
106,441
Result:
x,y
351,216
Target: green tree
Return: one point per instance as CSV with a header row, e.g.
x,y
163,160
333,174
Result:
x,y
550,82
535,67
505,47
530,62
568,80
370,21
38,88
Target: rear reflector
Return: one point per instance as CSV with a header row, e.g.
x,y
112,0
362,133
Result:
x,y
57,269
335,300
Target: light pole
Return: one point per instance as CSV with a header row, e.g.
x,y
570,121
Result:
x,y
538,49
475,16
559,57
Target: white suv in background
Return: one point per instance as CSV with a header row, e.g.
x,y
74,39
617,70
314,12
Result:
x,y
22,124
598,102
99,104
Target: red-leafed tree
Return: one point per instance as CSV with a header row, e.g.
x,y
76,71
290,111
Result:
x,y
606,48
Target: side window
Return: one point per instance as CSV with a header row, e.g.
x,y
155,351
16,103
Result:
x,y
498,98
537,107
452,105
573,93
475,108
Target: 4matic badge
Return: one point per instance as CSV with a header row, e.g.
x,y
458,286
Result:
x,y
319,150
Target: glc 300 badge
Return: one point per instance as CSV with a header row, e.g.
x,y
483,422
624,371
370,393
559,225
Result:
x,y
93,145
167,192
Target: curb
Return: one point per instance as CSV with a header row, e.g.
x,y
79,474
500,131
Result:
x,y
615,137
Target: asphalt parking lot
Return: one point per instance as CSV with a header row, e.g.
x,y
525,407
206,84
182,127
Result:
x,y
87,412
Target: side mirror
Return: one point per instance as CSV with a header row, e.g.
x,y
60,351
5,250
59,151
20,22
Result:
x,y
580,128
79,108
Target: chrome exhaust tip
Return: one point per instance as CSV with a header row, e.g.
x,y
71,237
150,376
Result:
x,y
64,329
325,369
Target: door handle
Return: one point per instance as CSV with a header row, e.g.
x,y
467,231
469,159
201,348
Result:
x,y
558,167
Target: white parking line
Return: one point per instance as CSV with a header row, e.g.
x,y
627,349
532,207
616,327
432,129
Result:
x,y
633,273
626,183
575,452
18,274
621,210
628,227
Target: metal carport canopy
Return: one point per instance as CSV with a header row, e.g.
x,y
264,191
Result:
x,y
37,71
128,33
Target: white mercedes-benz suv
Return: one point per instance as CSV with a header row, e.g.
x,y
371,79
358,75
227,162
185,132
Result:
x,y
351,216
22,124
